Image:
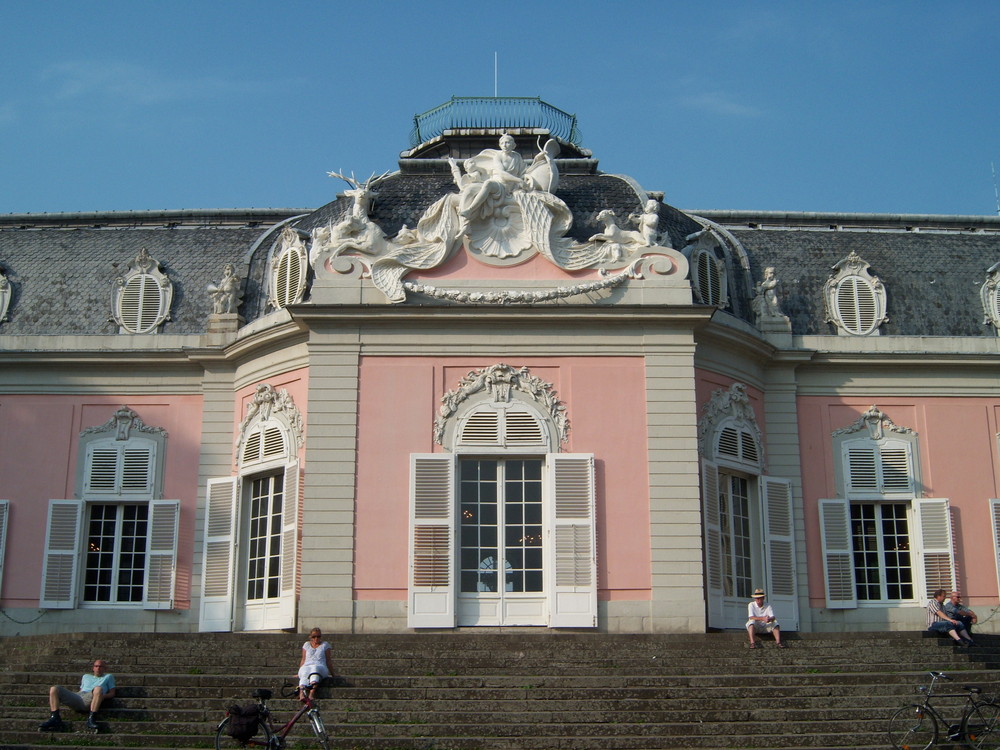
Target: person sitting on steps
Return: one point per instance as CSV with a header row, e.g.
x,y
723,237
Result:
x,y
94,688
761,619
315,665
938,621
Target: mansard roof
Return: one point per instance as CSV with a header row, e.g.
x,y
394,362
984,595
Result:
x,y
932,267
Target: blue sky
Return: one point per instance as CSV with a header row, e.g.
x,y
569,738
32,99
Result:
x,y
887,107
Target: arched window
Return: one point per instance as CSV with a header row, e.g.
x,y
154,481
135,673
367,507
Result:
x,y
256,514
748,516
142,296
855,299
502,523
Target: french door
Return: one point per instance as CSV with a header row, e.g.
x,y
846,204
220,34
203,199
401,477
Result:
x,y
265,510
501,555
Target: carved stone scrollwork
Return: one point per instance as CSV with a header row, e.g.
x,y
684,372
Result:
x,y
733,403
268,402
505,212
876,422
123,423
500,381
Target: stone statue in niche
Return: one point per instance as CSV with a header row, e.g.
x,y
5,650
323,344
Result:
x,y
765,304
227,294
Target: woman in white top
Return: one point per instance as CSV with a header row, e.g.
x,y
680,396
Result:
x,y
315,664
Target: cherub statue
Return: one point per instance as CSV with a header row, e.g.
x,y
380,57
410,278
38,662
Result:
x,y
226,295
765,303
615,238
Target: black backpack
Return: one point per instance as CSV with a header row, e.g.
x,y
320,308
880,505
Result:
x,y
243,721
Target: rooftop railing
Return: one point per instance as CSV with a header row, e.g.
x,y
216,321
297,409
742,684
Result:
x,y
494,112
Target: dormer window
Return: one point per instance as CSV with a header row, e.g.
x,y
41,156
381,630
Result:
x,y
288,274
855,299
990,296
709,280
142,296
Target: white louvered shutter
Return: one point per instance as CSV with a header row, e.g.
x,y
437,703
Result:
x,y
285,616
713,544
571,541
995,520
221,523
838,554
62,555
432,584
934,527
4,516
161,554
780,546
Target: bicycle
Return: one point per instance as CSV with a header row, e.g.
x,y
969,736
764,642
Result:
x,y
274,739
915,727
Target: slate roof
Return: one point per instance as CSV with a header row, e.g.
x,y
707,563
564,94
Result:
x,y
62,268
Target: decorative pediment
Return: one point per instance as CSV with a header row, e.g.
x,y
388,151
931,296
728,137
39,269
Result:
x,y
123,424
499,382
268,403
505,212
876,422
730,405
855,298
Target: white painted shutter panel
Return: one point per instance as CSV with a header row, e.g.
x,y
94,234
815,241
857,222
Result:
x,y
285,616
432,589
62,554
780,545
571,547
838,553
713,543
995,518
161,554
934,527
216,613
4,515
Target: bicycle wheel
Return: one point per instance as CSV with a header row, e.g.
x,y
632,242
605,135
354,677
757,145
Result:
x,y
912,728
319,728
981,726
224,742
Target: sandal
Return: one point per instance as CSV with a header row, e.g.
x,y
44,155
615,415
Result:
x,y
782,645
753,645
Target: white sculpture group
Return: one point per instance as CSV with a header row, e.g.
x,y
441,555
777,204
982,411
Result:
x,y
505,211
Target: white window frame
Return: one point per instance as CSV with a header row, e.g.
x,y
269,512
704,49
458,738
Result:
x,y
141,298
855,299
289,268
4,523
123,446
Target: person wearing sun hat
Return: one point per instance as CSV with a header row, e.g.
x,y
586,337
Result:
x,y
761,619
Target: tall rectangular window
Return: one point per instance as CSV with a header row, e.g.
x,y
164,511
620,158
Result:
x,y
880,538
736,529
264,538
116,552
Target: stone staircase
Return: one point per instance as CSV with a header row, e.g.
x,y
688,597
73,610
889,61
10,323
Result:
x,y
498,690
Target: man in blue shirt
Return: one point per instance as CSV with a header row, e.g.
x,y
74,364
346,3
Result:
x,y
94,688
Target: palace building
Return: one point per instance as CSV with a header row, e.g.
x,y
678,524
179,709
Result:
x,y
498,387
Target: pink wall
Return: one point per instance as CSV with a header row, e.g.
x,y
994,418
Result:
x,y
38,462
606,403
958,460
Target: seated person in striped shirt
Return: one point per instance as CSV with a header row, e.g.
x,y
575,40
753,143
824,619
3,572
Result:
x,y
938,620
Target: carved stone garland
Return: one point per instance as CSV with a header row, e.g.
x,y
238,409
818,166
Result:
x,y
876,422
500,380
122,424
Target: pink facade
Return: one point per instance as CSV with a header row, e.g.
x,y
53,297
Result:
x,y
955,462
399,397
39,457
